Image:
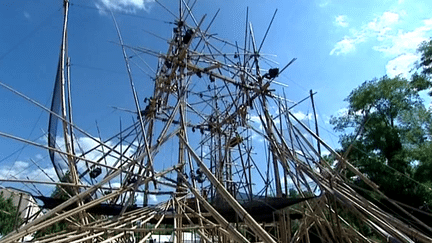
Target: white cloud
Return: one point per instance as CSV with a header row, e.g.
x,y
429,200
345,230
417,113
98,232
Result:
x,y
256,137
382,24
401,65
344,46
342,112
85,144
26,15
255,119
92,151
402,47
403,42
129,6
325,152
19,165
152,199
377,28
114,185
341,20
399,46
345,112
21,170
324,3
302,116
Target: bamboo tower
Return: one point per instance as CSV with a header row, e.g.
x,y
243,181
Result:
x,y
220,150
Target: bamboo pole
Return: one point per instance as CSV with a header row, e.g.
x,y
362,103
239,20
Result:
x,y
245,216
221,220
156,225
69,237
44,220
53,237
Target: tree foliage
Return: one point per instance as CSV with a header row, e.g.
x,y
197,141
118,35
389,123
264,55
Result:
x,y
8,215
387,135
425,49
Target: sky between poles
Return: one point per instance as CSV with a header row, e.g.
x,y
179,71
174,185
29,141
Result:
x,y
338,45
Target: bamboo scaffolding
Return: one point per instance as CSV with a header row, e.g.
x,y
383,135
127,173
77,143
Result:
x,y
231,89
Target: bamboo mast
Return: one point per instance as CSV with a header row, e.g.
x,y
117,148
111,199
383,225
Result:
x,y
181,90
64,107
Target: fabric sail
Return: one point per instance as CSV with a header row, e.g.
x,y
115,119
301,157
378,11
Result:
x,y
58,161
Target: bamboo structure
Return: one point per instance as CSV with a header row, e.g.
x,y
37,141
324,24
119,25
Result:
x,y
238,169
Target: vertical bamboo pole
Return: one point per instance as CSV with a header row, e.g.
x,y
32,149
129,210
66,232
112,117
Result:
x,y
316,122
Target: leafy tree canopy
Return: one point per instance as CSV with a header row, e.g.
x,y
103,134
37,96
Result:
x,y
8,215
425,49
386,133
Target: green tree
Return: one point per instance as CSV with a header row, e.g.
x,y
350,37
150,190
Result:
x,y
425,49
384,129
423,153
8,215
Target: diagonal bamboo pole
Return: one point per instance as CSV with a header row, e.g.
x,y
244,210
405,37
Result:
x,y
245,216
360,175
221,220
45,220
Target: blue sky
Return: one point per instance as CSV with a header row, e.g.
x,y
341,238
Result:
x,y
338,45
